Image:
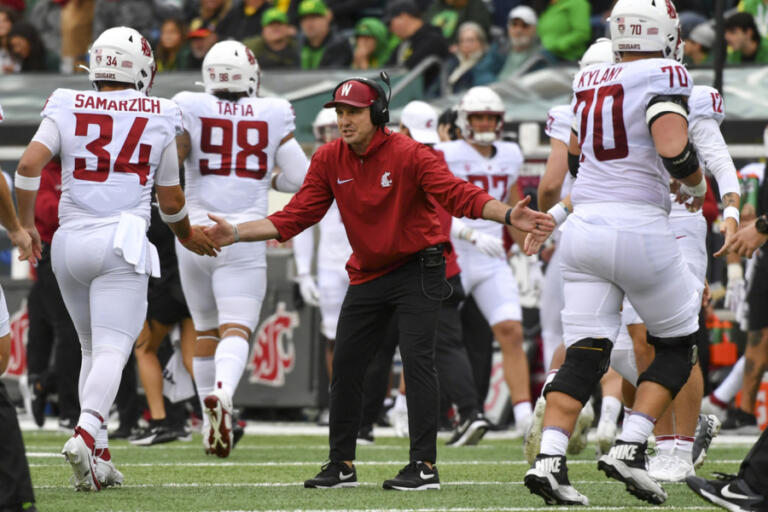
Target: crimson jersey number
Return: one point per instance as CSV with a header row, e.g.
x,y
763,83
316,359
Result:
x,y
620,147
229,132
103,158
486,182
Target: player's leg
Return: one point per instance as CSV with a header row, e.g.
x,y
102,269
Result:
x,y
332,285
552,304
150,372
717,402
742,419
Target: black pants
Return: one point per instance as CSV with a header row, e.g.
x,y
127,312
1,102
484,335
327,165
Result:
x,y
457,383
51,331
478,340
411,295
754,468
15,483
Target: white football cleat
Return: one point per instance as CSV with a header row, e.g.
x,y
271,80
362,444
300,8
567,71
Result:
x,y
106,472
578,439
532,440
707,429
81,459
657,464
709,407
628,463
548,477
676,469
606,435
218,408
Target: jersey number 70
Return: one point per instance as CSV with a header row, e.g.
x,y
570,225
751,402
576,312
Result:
x,y
587,97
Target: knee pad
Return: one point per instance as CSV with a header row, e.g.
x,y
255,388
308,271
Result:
x,y
586,361
672,364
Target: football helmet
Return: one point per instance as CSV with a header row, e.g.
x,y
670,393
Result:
x,y
645,26
231,66
325,126
480,100
600,52
122,54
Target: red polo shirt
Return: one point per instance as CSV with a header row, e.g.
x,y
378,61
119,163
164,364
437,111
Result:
x,y
384,200
47,201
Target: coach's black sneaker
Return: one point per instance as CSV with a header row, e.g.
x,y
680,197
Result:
x,y
706,429
39,401
740,422
416,476
731,493
628,463
548,477
156,433
470,431
333,474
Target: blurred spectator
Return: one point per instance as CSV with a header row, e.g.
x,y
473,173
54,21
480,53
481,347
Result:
x,y
243,20
759,11
450,14
210,14
276,47
200,41
564,28
347,12
8,64
28,49
373,44
142,15
698,46
46,17
172,52
747,46
18,6
419,41
321,45
475,62
524,44
76,33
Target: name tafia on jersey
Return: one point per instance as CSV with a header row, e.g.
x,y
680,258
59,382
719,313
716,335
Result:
x,y
227,108
599,76
148,105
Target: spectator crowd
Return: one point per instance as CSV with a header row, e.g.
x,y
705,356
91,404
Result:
x,y
480,41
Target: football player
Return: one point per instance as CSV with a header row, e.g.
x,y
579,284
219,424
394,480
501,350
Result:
x,y
231,142
483,159
114,143
619,242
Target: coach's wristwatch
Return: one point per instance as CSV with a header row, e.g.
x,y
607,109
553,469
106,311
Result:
x,y
761,224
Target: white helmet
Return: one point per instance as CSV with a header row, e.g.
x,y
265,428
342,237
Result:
x,y
480,100
600,52
121,54
231,66
645,26
325,126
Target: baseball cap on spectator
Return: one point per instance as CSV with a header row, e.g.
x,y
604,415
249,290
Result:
x,y
354,93
421,120
703,34
312,8
200,32
399,7
273,15
524,14
371,27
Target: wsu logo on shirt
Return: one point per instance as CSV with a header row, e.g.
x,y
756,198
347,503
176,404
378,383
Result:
x,y
19,324
386,181
273,354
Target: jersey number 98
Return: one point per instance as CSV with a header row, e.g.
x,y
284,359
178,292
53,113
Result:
x,y
228,132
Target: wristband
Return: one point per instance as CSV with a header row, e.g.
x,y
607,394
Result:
x,y
26,182
173,217
735,272
235,233
731,212
507,217
697,190
559,212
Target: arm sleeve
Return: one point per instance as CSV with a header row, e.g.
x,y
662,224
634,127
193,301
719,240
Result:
x,y
303,250
48,135
459,197
307,206
167,174
293,163
713,151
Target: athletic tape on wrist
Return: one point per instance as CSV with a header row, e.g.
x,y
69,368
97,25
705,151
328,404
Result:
x,y
731,212
735,272
26,182
235,233
559,212
696,191
174,217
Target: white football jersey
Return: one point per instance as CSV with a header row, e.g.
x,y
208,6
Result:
x,y
558,127
619,162
333,250
111,143
704,103
233,144
494,175
1,113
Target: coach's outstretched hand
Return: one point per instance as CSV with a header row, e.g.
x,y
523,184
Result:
x,y
223,233
744,242
525,219
200,243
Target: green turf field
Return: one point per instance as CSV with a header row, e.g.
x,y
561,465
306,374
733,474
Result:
x,y
266,473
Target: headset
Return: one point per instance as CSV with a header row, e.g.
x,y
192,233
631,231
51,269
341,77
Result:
x,y
380,106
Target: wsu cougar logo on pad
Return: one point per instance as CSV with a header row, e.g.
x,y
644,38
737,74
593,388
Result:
x,y
273,354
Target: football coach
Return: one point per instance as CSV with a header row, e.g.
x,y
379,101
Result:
x,y
381,182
